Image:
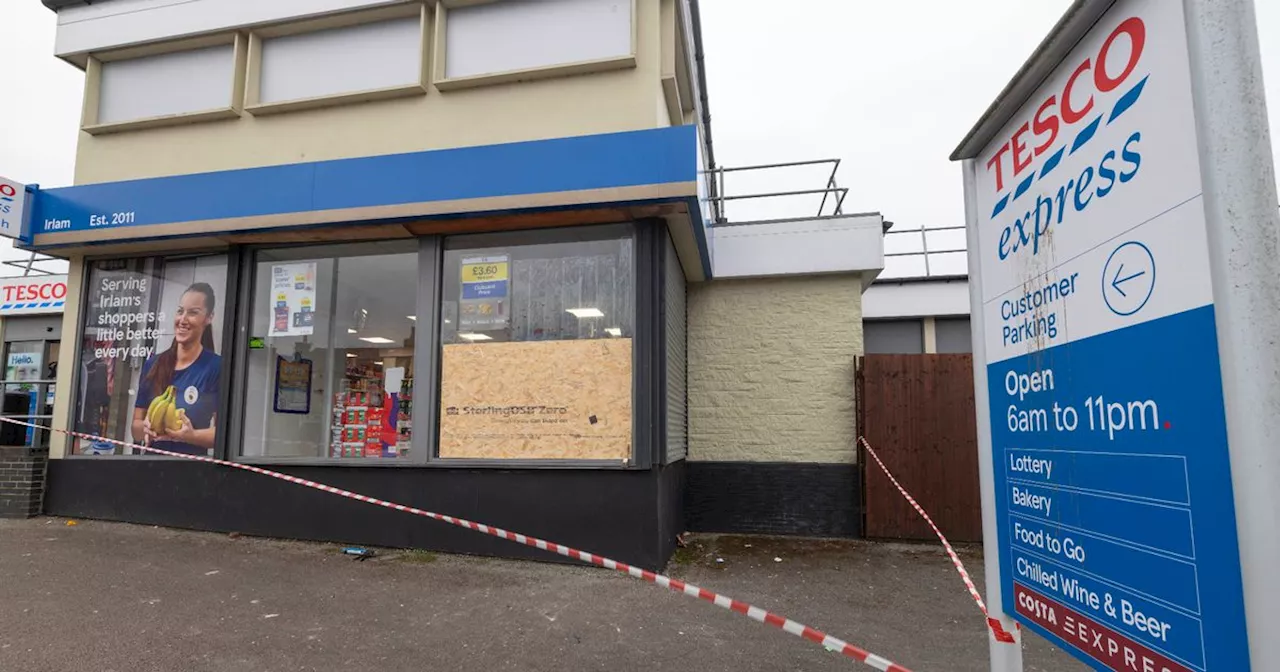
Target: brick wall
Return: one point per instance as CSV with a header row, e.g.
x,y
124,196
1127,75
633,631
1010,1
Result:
x,y
21,482
771,369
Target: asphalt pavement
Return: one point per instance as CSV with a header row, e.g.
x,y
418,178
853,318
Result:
x,y
112,597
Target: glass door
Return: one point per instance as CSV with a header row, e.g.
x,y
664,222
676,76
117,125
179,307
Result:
x,y
29,389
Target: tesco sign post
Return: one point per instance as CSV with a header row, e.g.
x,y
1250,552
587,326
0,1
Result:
x,y
1122,229
13,197
33,295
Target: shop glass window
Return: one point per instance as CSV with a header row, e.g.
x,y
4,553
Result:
x,y
149,370
330,352
536,346
29,388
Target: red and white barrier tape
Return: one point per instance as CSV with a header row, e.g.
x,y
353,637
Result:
x,y
754,613
997,629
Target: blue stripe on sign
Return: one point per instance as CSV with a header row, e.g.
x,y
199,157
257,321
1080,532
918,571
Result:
x,y
6,306
1022,188
46,304
1127,100
612,160
1000,206
1052,162
1086,135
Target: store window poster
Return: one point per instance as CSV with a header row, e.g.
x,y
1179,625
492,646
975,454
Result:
x,y
149,370
293,385
293,294
23,366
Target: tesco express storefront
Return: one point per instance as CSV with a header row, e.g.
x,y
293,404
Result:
x,y
31,326
482,332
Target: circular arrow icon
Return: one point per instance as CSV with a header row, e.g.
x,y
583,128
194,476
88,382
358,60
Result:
x,y
1128,278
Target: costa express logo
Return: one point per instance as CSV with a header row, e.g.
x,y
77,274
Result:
x,y
1053,130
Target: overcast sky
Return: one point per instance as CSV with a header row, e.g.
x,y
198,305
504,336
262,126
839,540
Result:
x,y
887,87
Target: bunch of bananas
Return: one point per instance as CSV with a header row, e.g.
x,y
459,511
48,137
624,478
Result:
x,y
164,415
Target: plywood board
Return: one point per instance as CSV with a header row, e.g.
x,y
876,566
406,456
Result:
x,y
567,400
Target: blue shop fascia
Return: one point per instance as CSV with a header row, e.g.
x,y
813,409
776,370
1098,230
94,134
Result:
x,y
383,324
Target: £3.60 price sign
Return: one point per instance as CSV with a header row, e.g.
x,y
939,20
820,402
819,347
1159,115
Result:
x,y
484,271
486,283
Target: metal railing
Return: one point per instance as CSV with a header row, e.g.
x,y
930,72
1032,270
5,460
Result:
x,y
831,192
28,265
924,253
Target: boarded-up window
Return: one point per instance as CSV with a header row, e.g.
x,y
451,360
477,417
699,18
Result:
x,y
536,346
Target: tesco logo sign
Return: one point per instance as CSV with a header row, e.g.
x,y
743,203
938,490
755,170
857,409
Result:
x,y
29,295
47,291
1095,75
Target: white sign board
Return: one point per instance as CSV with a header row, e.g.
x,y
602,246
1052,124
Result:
x,y
33,295
1112,482
12,201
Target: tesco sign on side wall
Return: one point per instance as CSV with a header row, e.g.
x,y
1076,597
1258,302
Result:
x,y
37,295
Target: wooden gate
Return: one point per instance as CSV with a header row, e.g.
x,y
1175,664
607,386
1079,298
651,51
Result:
x,y
917,411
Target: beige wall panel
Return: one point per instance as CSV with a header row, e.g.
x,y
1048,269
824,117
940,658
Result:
x,y
62,402
583,380
771,369
604,102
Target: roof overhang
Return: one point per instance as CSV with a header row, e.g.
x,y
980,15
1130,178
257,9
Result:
x,y
813,246
543,183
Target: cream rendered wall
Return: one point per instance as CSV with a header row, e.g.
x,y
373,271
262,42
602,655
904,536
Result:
x,y
771,368
63,400
619,100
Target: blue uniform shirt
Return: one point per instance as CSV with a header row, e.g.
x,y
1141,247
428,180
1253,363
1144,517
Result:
x,y
195,390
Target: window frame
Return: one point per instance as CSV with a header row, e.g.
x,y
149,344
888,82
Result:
x,y
644,395
93,84
647,381
443,82
240,377
230,303
677,79
253,104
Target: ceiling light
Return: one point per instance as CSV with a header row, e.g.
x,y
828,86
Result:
x,y
352,331
376,339
615,332
412,317
351,355
475,337
585,312
379,362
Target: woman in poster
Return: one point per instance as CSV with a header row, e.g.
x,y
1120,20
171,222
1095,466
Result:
x,y
177,400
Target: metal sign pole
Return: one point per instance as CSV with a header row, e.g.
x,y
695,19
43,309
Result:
x,y
1004,657
1244,253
